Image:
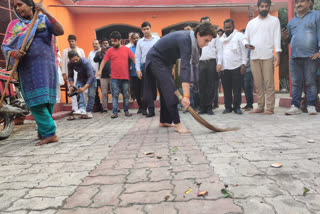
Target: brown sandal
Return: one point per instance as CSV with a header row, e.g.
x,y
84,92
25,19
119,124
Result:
x,y
71,117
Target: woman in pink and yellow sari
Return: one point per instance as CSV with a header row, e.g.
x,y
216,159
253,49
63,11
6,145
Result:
x,y
37,69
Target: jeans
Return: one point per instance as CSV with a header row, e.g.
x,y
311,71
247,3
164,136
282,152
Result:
x,y
247,85
91,96
303,69
117,85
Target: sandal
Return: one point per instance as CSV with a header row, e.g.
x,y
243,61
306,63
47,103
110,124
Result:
x,y
268,112
85,117
71,117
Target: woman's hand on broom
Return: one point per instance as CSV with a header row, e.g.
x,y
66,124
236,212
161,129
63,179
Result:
x,y
18,54
41,8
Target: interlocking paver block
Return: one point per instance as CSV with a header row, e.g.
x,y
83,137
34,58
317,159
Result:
x,y
145,197
148,186
108,195
82,196
100,180
102,210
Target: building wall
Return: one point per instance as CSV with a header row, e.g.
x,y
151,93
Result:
x,y
66,18
158,20
84,25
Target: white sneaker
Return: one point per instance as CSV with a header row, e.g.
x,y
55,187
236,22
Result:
x,y
312,110
80,112
293,111
89,114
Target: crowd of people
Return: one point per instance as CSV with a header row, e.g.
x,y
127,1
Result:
x,y
196,61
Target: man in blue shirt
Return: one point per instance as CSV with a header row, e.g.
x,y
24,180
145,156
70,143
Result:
x,y
304,36
137,83
184,45
85,80
142,48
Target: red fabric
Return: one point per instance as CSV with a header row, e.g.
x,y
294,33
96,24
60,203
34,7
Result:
x,y
12,54
53,21
119,58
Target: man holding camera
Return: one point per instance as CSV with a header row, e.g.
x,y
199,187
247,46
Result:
x,y
86,80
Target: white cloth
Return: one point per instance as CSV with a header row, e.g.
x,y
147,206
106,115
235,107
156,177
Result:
x,y
95,65
60,78
142,49
234,52
65,58
265,35
212,51
129,45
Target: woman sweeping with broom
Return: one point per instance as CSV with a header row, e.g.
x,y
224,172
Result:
x,y
37,70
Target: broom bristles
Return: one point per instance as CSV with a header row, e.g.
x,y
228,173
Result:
x,y
202,121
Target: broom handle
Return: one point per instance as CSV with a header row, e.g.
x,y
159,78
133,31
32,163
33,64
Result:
x,y
34,18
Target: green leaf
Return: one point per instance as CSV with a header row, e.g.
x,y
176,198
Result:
x,y
225,193
174,149
305,190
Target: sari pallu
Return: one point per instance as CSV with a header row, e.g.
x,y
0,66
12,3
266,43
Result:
x,y
16,33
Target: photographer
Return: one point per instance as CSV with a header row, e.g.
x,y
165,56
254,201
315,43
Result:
x,y
105,77
86,80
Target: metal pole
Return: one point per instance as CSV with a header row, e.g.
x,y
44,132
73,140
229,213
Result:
x,y
290,16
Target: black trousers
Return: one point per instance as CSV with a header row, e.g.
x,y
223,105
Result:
x,y
146,104
137,89
231,83
97,102
208,78
160,74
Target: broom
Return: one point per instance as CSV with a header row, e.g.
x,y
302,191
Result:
x,y
202,121
34,18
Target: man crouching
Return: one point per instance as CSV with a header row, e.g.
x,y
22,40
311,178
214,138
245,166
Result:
x,y
86,80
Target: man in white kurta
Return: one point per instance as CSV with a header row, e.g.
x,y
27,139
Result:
x,y
234,60
263,35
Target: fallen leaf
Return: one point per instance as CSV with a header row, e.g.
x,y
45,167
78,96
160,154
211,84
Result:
x,y
174,149
148,153
158,157
225,193
166,198
234,185
305,190
198,184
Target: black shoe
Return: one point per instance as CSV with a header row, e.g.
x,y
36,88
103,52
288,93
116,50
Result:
x,y
216,106
144,112
238,111
152,114
209,111
248,107
227,111
202,111
139,111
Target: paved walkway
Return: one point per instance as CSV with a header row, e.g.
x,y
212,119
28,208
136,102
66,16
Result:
x,y
129,165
